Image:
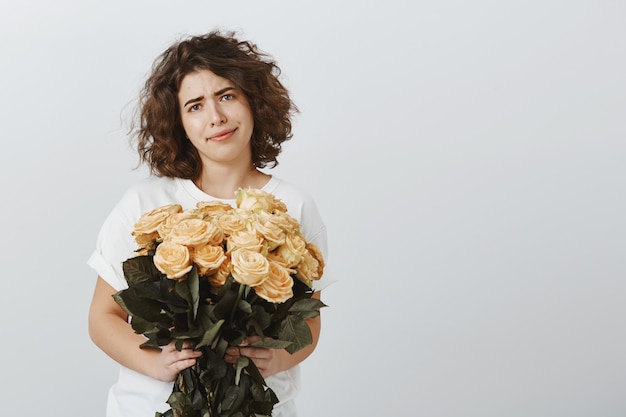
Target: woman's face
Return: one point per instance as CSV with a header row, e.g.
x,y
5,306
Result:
x,y
216,117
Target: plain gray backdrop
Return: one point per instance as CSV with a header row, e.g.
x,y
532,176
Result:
x,y
468,158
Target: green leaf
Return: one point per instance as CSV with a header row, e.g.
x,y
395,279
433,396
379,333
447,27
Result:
x,y
120,301
244,306
227,299
210,334
140,269
157,339
242,362
182,333
307,314
137,305
300,289
204,319
263,400
219,346
307,304
307,308
151,343
189,290
269,343
177,401
180,343
232,397
295,329
255,375
141,326
259,320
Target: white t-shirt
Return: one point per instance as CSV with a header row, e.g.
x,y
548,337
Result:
x,y
135,394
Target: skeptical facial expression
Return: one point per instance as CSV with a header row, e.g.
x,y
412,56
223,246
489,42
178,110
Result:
x,y
216,117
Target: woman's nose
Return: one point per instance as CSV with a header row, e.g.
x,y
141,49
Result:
x,y
217,116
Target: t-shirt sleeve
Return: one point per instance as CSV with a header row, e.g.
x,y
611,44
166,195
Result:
x,y
314,230
114,245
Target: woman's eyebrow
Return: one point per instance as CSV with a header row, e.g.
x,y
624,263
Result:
x,y
217,93
223,90
193,100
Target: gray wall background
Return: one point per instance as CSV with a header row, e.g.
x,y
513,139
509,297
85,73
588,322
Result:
x,y
468,158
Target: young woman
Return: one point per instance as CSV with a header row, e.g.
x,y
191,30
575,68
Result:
x,y
212,113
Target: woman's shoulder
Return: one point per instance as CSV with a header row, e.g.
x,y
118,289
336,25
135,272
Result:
x,y
148,193
150,184
300,203
288,191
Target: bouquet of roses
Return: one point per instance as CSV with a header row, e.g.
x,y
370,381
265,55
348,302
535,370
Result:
x,y
212,276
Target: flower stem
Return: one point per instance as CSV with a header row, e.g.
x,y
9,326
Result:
x,y
236,304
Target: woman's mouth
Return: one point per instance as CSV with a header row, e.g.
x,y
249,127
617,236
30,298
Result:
x,y
223,135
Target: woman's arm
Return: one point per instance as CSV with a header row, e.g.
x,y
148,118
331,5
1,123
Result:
x,y
110,331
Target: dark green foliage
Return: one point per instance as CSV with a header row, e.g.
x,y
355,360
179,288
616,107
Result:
x,y
164,310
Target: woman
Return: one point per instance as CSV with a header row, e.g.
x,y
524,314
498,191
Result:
x,y
211,114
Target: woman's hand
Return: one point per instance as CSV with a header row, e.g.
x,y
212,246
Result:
x,y
170,361
268,361
272,361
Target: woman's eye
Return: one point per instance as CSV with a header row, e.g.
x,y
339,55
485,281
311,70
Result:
x,y
227,97
195,107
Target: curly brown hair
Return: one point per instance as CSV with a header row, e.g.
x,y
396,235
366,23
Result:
x,y
161,139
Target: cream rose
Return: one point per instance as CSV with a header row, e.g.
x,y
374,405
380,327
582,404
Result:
x,y
282,220
165,227
173,260
208,258
307,270
213,209
244,239
195,232
246,216
218,278
231,222
274,258
278,288
292,250
254,200
145,230
279,206
149,221
147,241
271,232
315,251
249,267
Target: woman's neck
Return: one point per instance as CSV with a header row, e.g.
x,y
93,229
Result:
x,y
223,182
